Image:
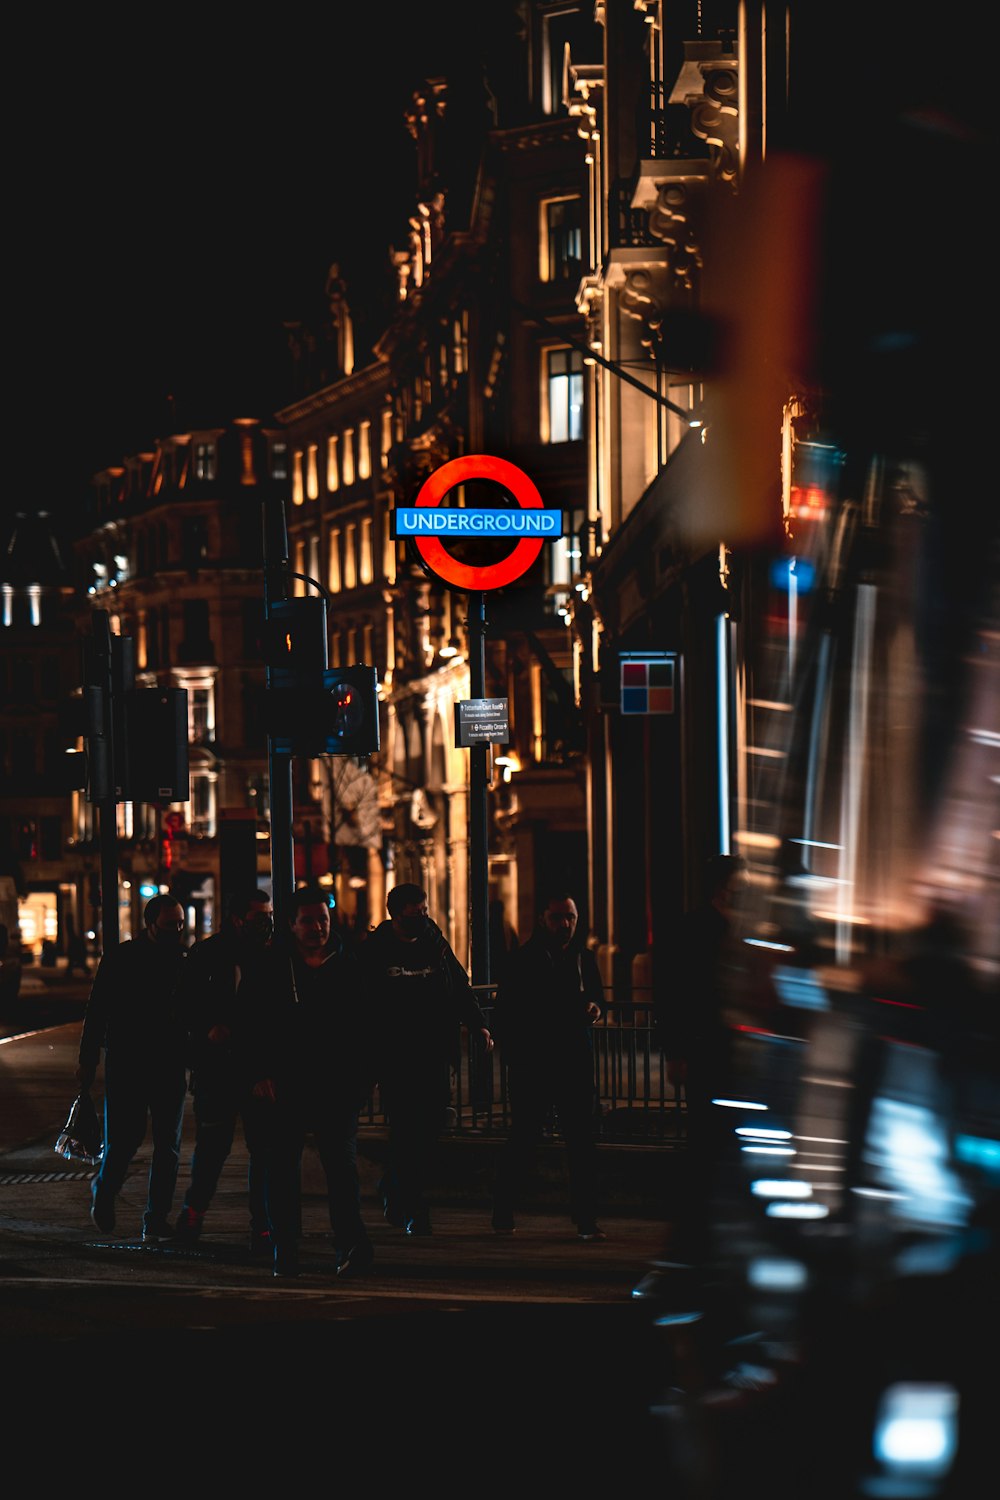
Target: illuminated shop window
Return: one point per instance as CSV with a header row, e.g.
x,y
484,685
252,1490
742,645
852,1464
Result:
x,y
332,464
312,472
364,450
348,464
298,491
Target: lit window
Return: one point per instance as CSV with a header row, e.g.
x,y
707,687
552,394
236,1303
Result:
x,y
349,456
388,550
279,460
201,713
563,413
203,804
365,565
386,435
204,460
333,579
313,569
298,494
460,343
312,476
332,466
561,239
298,584
364,450
350,557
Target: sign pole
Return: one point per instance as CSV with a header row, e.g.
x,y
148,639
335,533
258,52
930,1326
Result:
x,y
279,765
479,885
102,676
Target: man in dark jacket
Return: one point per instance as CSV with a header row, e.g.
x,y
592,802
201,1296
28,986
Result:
x,y
423,997
213,975
133,1015
548,998
309,1060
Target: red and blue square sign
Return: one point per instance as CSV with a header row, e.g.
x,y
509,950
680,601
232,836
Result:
x,y
647,682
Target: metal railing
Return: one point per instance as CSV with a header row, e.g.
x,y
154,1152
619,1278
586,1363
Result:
x,y
634,1102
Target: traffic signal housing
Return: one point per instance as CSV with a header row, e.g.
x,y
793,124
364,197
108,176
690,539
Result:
x,y
332,713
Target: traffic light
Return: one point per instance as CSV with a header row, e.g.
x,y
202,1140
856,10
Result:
x,y
295,640
155,765
332,713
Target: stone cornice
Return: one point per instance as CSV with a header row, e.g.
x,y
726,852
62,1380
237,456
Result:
x,y
361,383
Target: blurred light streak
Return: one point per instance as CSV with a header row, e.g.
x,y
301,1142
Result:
x,y
797,1211
778,708
916,1428
765,943
778,1187
757,840
857,734
738,1104
770,1275
769,1150
763,1132
722,744
978,1151
817,740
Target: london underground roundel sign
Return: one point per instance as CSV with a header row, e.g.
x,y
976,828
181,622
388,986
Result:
x,y
434,551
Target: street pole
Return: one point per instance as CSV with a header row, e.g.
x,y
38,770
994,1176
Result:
x,y
479,884
101,744
279,764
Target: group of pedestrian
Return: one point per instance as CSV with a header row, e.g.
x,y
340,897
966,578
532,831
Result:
x,y
288,1033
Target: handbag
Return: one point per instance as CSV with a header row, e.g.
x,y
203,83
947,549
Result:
x,y
81,1138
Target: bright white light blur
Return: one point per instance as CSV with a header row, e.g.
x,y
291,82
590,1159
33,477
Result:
x,y
763,943
907,1144
797,1211
769,1150
764,1132
916,1428
738,1104
768,1274
777,1187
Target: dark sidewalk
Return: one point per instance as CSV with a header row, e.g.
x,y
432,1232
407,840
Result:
x,y
465,1358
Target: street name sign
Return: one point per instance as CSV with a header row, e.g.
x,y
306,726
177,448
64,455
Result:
x,y
481,721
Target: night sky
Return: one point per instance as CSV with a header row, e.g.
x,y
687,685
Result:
x,y
177,196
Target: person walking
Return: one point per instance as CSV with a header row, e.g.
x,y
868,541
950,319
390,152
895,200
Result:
x,y
133,1015
310,1062
213,976
423,997
549,996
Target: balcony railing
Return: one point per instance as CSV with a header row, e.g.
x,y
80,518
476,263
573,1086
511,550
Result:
x,y
634,1102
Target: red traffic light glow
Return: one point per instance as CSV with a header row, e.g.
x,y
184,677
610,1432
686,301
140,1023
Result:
x,y
434,552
